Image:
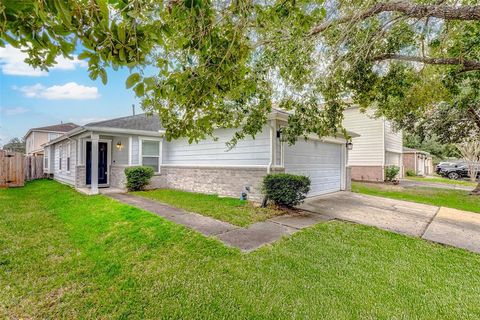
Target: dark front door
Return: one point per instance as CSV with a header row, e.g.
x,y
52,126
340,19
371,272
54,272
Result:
x,y
102,162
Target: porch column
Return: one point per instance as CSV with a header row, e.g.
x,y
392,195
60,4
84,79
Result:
x,y
94,182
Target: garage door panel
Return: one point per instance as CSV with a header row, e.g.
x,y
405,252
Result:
x,y
319,161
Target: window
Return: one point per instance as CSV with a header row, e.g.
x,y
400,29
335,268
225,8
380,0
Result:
x,y
151,154
60,156
68,157
45,158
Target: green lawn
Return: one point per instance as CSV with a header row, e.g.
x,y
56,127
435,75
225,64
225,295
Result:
x,y
443,180
235,211
457,199
66,255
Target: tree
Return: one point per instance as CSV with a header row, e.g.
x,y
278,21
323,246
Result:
x,y
223,63
439,149
470,150
15,145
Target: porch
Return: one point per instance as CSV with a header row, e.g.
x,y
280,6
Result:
x,y
102,158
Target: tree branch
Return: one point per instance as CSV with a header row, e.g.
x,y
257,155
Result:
x,y
411,10
468,65
475,116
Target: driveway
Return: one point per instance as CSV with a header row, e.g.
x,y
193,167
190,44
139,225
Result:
x,y
444,225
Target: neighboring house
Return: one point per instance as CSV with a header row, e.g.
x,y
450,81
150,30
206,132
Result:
x,y
418,161
378,146
36,137
96,155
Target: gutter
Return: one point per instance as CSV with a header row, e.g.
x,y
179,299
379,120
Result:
x,y
383,149
79,130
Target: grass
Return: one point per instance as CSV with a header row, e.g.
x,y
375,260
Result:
x,y
443,180
66,255
235,211
457,199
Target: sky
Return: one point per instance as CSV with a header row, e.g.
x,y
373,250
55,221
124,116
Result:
x,y
32,98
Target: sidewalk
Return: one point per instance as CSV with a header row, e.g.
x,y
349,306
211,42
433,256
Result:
x,y
442,225
246,239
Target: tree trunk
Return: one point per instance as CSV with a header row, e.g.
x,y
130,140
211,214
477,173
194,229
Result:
x,y
476,191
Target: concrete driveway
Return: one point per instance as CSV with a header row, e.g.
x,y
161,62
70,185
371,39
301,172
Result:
x,y
444,225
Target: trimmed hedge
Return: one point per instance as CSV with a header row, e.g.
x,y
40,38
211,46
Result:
x,y
285,189
138,177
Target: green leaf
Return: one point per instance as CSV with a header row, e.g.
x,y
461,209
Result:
x,y
121,33
132,79
84,55
102,5
121,54
103,75
139,89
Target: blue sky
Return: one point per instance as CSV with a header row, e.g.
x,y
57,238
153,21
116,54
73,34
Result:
x,y
31,98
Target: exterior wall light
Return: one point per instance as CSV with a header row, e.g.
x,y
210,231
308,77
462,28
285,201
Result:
x,y
119,145
349,145
279,133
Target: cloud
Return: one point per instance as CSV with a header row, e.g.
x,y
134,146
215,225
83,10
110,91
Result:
x,y
14,111
68,91
12,63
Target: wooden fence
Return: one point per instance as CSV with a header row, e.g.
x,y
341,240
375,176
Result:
x,y
15,168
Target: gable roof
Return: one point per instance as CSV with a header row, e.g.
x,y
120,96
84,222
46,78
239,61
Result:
x,y
144,122
58,128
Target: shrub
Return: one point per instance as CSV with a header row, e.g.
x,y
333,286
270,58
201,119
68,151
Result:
x,y
410,173
138,177
391,173
285,189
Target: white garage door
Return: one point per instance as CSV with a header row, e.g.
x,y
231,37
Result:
x,y
320,161
392,158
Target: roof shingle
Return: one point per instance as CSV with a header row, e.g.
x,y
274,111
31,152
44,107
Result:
x,y
145,122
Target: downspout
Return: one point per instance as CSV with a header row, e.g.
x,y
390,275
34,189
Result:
x,y
383,150
273,127
415,161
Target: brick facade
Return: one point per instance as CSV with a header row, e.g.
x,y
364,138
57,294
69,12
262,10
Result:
x,y
367,173
80,174
409,162
225,181
117,176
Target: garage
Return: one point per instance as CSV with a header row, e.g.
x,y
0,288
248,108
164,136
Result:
x,y
321,161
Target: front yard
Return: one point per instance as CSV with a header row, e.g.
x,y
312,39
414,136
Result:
x,y
234,211
439,179
66,255
457,199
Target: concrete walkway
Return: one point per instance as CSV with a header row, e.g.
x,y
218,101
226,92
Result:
x,y
246,239
443,225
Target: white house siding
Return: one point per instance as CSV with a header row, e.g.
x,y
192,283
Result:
x,y
214,152
63,175
393,138
321,161
119,155
135,151
368,149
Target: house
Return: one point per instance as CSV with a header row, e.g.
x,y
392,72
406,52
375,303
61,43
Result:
x,y
36,137
418,161
95,156
378,146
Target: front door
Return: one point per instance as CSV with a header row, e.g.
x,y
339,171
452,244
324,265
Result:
x,y
102,163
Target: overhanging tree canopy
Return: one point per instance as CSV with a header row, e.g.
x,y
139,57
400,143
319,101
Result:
x,y
223,63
